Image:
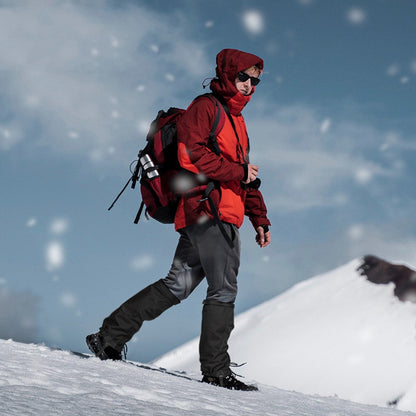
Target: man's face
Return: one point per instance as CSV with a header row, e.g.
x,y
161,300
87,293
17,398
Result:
x,y
245,87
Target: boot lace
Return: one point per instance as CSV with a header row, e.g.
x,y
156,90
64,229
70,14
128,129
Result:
x,y
124,352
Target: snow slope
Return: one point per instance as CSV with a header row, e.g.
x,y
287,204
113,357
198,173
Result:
x,y
334,334
35,380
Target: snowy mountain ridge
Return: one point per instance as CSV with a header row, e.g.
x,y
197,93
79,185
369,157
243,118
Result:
x,y
35,380
333,345
333,334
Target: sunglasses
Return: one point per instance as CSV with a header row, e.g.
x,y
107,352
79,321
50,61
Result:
x,y
243,77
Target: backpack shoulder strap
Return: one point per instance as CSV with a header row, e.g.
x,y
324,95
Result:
x,y
227,111
217,124
216,127
213,133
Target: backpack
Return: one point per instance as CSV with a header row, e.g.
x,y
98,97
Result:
x,y
157,166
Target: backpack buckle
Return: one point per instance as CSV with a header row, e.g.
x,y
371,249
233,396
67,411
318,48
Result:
x,y
209,188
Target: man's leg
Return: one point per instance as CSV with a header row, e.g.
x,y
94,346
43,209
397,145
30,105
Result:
x,y
186,271
125,321
146,305
216,327
220,263
149,303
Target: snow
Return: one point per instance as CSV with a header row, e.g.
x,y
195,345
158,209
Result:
x,y
333,345
54,255
253,22
356,16
35,380
334,334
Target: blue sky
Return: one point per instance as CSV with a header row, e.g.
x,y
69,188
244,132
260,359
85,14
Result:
x,y
332,128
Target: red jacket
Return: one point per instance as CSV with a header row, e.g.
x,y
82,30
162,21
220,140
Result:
x,y
196,155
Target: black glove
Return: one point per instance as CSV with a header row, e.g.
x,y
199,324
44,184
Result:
x,y
252,185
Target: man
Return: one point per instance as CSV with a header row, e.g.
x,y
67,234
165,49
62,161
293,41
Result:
x,y
202,250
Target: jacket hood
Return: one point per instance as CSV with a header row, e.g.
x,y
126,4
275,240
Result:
x,y
229,63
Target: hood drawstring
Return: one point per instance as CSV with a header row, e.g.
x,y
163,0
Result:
x,y
205,83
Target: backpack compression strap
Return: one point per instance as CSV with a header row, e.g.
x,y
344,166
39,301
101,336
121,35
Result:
x,y
213,184
207,197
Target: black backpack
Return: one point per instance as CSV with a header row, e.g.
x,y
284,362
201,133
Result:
x,y
157,166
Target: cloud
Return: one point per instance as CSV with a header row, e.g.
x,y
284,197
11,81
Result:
x,y
395,142
253,22
96,74
384,240
18,315
308,169
68,299
10,135
80,74
391,140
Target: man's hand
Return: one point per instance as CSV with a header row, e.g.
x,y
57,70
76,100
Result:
x,y
253,171
262,238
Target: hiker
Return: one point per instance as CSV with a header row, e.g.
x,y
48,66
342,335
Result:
x,y
202,251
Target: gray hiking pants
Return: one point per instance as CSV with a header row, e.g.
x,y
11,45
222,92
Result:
x,y
202,251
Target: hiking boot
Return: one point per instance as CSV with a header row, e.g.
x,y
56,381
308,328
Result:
x,y
229,382
97,346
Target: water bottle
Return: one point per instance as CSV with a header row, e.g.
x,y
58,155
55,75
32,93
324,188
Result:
x,y
149,167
